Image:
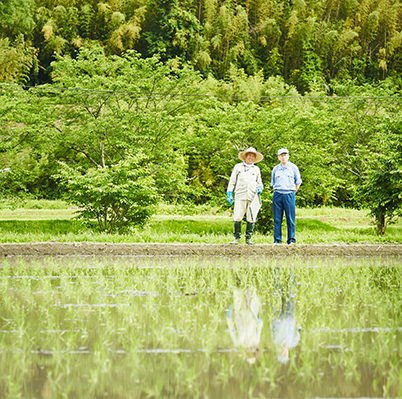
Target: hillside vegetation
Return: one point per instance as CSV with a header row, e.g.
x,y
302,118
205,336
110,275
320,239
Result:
x,y
117,106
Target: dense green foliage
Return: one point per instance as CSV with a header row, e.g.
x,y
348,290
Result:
x,y
265,221
383,187
190,84
308,43
116,197
102,109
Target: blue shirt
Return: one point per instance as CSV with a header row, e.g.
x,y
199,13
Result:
x,y
285,178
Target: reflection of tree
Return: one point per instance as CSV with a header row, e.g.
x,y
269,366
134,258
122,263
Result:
x,y
285,331
244,321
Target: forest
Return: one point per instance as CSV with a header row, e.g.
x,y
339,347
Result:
x,y
125,103
308,43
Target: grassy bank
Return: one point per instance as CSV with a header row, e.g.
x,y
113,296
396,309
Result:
x,y
54,220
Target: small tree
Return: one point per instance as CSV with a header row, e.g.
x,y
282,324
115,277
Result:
x,y
382,189
115,197
382,192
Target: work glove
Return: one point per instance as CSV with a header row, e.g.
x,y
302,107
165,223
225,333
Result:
x,y
259,190
230,197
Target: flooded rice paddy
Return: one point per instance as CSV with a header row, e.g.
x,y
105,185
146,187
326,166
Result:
x,y
200,327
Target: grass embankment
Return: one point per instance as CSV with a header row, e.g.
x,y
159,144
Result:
x,y
54,221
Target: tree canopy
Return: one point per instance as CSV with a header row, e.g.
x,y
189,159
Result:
x,y
189,84
307,42
101,109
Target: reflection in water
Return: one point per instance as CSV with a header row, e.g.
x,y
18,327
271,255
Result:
x,y
244,321
136,327
284,329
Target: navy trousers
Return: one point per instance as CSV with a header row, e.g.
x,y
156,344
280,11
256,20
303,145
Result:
x,y
284,203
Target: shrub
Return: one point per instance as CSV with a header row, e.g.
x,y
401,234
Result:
x,y
115,197
265,219
13,191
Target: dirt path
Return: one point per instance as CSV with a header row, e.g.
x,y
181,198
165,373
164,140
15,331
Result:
x,y
94,248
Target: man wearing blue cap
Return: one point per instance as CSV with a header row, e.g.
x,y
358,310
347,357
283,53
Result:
x,y
285,180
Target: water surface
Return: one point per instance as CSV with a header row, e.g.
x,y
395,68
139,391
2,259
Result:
x,y
198,327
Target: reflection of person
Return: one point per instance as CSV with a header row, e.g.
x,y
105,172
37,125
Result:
x,y
285,180
246,181
244,321
284,329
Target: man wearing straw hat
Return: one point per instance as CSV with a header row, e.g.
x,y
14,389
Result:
x,y
246,181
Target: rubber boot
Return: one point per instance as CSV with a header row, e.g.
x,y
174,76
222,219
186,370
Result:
x,y
236,232
249,233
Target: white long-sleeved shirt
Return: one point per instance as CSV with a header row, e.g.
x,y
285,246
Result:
x,y
244,180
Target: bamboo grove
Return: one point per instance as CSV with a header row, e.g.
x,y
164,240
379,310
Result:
x,y
308,43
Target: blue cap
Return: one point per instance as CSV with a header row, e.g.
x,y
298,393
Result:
x,y
283,151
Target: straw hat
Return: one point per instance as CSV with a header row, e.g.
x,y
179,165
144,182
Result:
x,y
258,156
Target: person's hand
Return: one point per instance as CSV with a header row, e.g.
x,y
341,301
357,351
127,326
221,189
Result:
x,y
259,190
230,197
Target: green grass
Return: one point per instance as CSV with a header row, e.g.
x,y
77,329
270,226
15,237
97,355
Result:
x,y
54,220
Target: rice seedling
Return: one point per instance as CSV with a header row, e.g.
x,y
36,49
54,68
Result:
x,y
136,326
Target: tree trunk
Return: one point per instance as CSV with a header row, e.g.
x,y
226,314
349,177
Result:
x,y
102,151
380,220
